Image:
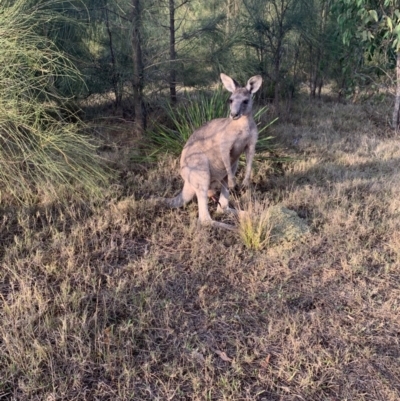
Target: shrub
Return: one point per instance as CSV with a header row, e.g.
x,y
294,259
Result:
x,y
41,149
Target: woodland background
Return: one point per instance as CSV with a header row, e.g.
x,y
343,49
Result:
x,y
146,47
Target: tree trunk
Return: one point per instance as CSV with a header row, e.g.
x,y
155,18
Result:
x,y
172,51
137,83
396,111
312,73
114,76
277,76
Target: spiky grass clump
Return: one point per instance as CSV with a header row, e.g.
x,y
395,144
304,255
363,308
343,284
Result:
x,y
41,151
192,113
255,225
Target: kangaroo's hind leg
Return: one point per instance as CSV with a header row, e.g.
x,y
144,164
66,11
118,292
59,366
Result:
x,y
202,200
204,214
200,183
187,193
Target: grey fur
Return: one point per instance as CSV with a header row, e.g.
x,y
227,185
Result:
x,y
210,157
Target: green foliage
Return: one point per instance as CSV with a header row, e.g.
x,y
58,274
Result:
x,y
264,143
42,149
255,226
195,110
371,22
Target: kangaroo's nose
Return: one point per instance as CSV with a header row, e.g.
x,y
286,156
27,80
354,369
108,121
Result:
x,y
235,114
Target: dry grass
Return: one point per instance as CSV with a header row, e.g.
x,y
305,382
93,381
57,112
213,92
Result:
x,y
125,301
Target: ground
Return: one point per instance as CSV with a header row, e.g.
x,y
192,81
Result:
x,y
125,300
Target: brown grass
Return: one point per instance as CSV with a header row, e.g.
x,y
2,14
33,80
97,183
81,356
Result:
x,y
123,300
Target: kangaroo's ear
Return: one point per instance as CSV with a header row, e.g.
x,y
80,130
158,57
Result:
x,y
254,83
230,84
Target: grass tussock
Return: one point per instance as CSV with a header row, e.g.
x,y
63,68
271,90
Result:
x,y
43,151
255,225
194,110
125,300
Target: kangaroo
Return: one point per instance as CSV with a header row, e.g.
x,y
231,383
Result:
x,y
210,157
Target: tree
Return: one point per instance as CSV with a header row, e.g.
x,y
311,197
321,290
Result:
x,y
270,27
114,74
172,51
172,9
375,24
138,74
316,35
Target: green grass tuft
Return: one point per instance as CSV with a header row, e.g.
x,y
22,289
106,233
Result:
x,y
254,225
195,110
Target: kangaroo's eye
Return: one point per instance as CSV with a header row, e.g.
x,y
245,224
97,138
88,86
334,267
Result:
x,y
245,102
230,101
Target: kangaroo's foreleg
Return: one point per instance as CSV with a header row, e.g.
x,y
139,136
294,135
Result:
x,y
223,202
250,151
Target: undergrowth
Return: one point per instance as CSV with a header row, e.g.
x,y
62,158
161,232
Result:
x,y
43,151
193,111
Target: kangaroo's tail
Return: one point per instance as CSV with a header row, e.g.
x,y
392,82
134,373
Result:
x,y
176,202
185,196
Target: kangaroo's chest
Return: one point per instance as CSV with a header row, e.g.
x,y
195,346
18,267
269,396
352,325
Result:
x,y
241,140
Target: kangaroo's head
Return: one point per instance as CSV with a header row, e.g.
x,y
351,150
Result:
x,y
241,101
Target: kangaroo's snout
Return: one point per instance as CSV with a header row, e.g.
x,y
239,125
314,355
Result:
x,y
236,115
237,107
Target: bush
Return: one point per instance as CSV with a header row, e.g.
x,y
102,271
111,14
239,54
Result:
x,y
41,149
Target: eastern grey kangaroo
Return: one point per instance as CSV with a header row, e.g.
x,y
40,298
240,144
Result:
x,y
210,157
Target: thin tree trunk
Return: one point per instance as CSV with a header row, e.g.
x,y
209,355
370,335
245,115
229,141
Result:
x,y
230,12
320,85
277,77
396,111
114,76
137,83
312,72
172,51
